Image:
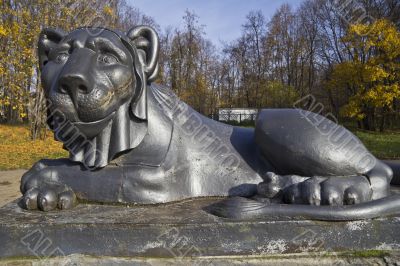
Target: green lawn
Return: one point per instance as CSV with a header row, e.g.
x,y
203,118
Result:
x,y
382,145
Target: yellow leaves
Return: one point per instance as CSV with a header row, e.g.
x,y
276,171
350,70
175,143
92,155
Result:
x,y
18,151
372,76
3,31
373,73
17,62
359,29
4,100
381,35
108,11
383,95
353,109
20,25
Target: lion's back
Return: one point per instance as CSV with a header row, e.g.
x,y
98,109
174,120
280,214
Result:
x,y
301,142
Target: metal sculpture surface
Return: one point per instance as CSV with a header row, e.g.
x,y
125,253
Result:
x,y
131,141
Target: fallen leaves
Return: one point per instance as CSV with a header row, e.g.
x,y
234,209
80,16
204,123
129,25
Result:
x,y
18,151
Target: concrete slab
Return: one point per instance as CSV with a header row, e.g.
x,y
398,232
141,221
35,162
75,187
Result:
x,y
182,230
182,234
315,259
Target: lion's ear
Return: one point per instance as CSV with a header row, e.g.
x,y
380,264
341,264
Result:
x,y
146,41
48,39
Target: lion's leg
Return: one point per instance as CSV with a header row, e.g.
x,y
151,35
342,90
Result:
x,y
52,184
380,177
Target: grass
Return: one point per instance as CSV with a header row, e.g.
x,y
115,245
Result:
x,y
382,145
18,151
366,254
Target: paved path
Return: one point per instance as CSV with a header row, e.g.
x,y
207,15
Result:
x,y
9,185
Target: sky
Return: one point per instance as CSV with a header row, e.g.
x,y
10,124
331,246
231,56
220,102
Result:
x,y
223,19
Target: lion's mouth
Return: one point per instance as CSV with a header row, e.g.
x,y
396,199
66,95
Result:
x,y
92,129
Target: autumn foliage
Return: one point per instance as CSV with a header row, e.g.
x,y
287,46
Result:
x,y
319,49
21,95
372,75
17,150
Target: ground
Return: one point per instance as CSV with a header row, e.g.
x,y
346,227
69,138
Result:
x,y
18,151
9,185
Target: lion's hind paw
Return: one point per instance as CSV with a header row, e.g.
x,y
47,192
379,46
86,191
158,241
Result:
x,y
333,191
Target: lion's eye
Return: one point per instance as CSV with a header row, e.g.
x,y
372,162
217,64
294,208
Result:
x,y
62,57
107,59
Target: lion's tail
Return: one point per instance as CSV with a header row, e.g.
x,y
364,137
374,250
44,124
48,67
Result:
x,y
395,165
242,208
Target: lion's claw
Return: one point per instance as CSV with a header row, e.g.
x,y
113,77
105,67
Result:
x,y
49,198
66,200
30,199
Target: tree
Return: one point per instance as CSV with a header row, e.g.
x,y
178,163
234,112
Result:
x,y
189,64
21,95
371,77
314,49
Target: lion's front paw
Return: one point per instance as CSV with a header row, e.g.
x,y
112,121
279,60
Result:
x,y
42,190
49,197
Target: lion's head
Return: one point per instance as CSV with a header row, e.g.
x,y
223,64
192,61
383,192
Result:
x,y
97,84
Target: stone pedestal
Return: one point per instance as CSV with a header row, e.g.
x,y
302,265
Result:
x,y
183,231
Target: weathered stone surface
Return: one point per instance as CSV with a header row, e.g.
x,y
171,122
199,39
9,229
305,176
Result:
x,y
181,230
317,259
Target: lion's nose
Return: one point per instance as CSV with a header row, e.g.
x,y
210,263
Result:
x,y
74,84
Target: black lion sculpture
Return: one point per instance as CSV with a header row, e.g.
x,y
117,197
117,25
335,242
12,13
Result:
x,y
131,141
